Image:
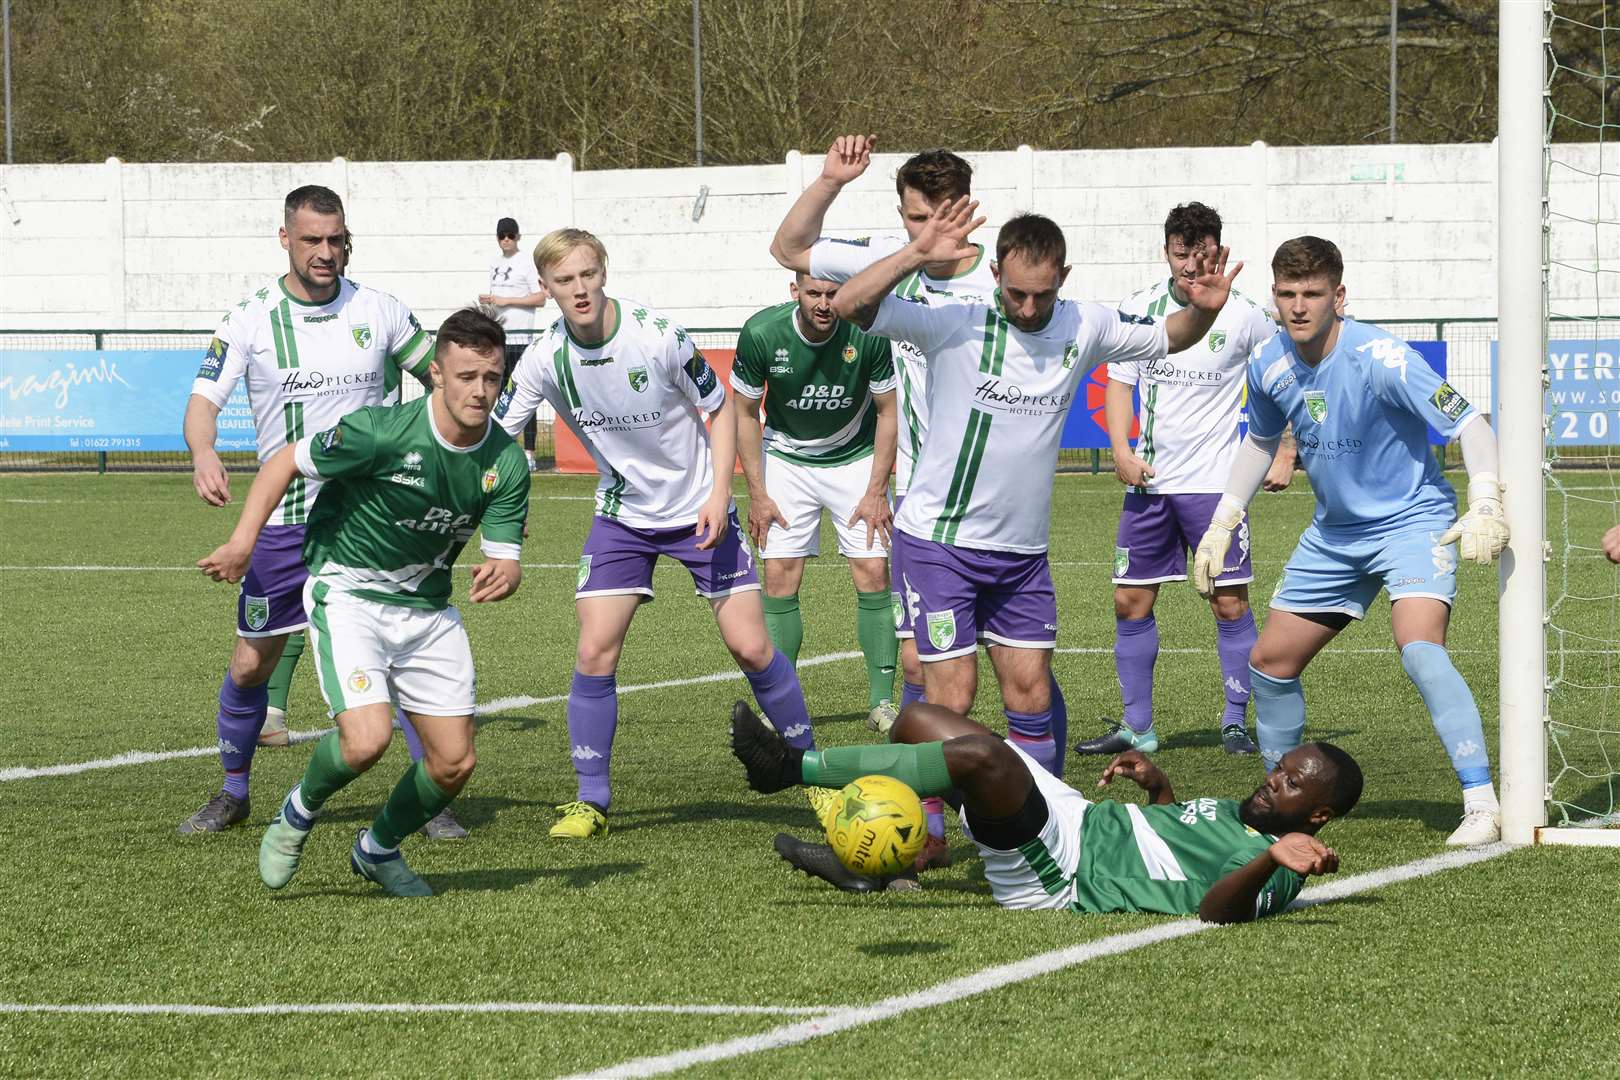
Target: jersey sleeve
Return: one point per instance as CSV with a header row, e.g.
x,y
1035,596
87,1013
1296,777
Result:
x,y
1266,419
693,374
749,367
926,321
1402,378
345,450
878,356
501,527
1280,889
521,397
1118,337
408,344
836,258
222,367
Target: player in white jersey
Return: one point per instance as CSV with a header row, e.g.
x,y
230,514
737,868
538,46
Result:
x,y
1189,435
923,182
636,390
312,346
973,531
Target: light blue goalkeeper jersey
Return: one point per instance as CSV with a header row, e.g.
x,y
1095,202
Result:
x,y
1361,419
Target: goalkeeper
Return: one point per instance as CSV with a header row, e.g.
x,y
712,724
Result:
x,y
1361,404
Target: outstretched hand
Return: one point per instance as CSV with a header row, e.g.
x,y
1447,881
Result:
x,y
1305,854
848,158
1133,765
1211,287
944,235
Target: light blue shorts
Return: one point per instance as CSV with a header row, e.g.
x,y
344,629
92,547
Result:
x,y
1345,575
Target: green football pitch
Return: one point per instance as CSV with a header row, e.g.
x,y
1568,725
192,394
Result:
x,y
680,940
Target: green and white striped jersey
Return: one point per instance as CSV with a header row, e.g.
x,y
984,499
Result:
x,y
818,408
1165,858
308,365
399,502
999,397
637,402
839,259
1191,401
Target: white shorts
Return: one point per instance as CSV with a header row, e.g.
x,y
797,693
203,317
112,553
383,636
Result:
x,y
1039,875
369,653
801,492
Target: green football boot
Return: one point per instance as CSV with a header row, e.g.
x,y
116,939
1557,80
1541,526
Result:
x,y
282,845
389,871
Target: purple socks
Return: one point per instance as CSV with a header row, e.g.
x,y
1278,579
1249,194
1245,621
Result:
x,y
910,694
1060,728
239,721
1136,648
781,699
1032,733
593,717
1235,640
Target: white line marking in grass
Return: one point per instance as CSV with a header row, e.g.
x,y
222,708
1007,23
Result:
x,y
498,705
994,978
348,1007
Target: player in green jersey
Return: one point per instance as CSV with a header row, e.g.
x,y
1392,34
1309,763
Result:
x,y
1046,846
828,441
406,487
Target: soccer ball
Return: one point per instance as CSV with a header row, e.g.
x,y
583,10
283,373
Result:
x,y
878,827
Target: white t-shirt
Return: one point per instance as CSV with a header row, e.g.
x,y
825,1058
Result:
x,y
834,259
309,365
514,275
998,397
637,401
1191,401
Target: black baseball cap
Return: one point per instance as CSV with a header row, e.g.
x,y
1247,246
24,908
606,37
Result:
x,y
507,227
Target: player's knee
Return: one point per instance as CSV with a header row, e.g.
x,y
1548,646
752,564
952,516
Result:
x,y
1268,660
752,655
910,667
597,658
978,757
452,773
250,667
1133,603
364,748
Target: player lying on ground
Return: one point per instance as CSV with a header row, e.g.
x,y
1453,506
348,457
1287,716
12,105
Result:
x,y
1361,404
405,489
1045,845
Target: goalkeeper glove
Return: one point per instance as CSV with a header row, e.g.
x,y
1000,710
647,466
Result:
x,y
1210,560
1481,533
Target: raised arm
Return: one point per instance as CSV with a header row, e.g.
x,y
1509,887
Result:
x,y
1207,293
846,160
943,239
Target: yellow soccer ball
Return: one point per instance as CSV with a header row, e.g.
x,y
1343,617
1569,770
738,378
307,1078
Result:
x,y
879,826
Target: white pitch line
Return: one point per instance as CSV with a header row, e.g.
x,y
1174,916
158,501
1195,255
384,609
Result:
x,y
994,978
498,705
114,1008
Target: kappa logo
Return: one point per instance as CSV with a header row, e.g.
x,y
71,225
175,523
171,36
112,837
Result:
x,y
1389,352
795,731
228,747
586,753
594,361
584,573
913,602
362,335
1467,748
638,379
359,681
489,480
1445,563
942,629
1122,561
1236,688
1243,542
1316,405
256,611
413,460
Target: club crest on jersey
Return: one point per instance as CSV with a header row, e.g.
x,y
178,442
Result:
x,y
1217,340
256,611
359,681
584,574
489,479
1122,561
638,379
942,628
1316,405
1071,356
849,354
899,607
362,335
330,439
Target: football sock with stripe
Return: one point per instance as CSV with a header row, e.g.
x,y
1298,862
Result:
x,y
1451,706
781,699
1136,649
920,766
238,723
785,624
593,718
280,684
1032,733
1234,640
414,802
874,628
934,808
1279,715
325,775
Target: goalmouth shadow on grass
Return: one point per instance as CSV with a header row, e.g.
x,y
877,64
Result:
x,y
1441,815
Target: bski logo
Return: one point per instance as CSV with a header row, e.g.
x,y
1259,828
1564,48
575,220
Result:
x,y
781,364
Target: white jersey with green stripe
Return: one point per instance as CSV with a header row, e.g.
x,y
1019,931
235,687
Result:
x,y
835,259
308,365
637,402
999,396
1192,401
1164,858
400,502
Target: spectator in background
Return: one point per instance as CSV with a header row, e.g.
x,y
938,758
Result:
x,y
516,294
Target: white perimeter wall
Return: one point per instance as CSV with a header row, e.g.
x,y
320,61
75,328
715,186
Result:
x,y
141,246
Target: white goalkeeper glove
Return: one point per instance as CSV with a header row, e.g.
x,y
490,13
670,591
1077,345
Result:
x,y
1482,533
1210,560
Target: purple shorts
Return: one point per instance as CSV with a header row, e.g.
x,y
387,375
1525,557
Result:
x,y
902,625
1156,531
618,560
272,599
954,597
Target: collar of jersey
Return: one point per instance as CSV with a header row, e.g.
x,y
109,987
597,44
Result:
x,y
438,436
281,283
959,273
618,324
1001,314
1170,289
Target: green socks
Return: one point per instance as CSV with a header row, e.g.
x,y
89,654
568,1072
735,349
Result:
x,y
415,801
874,627
785,625
281,678
326,773
920,766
